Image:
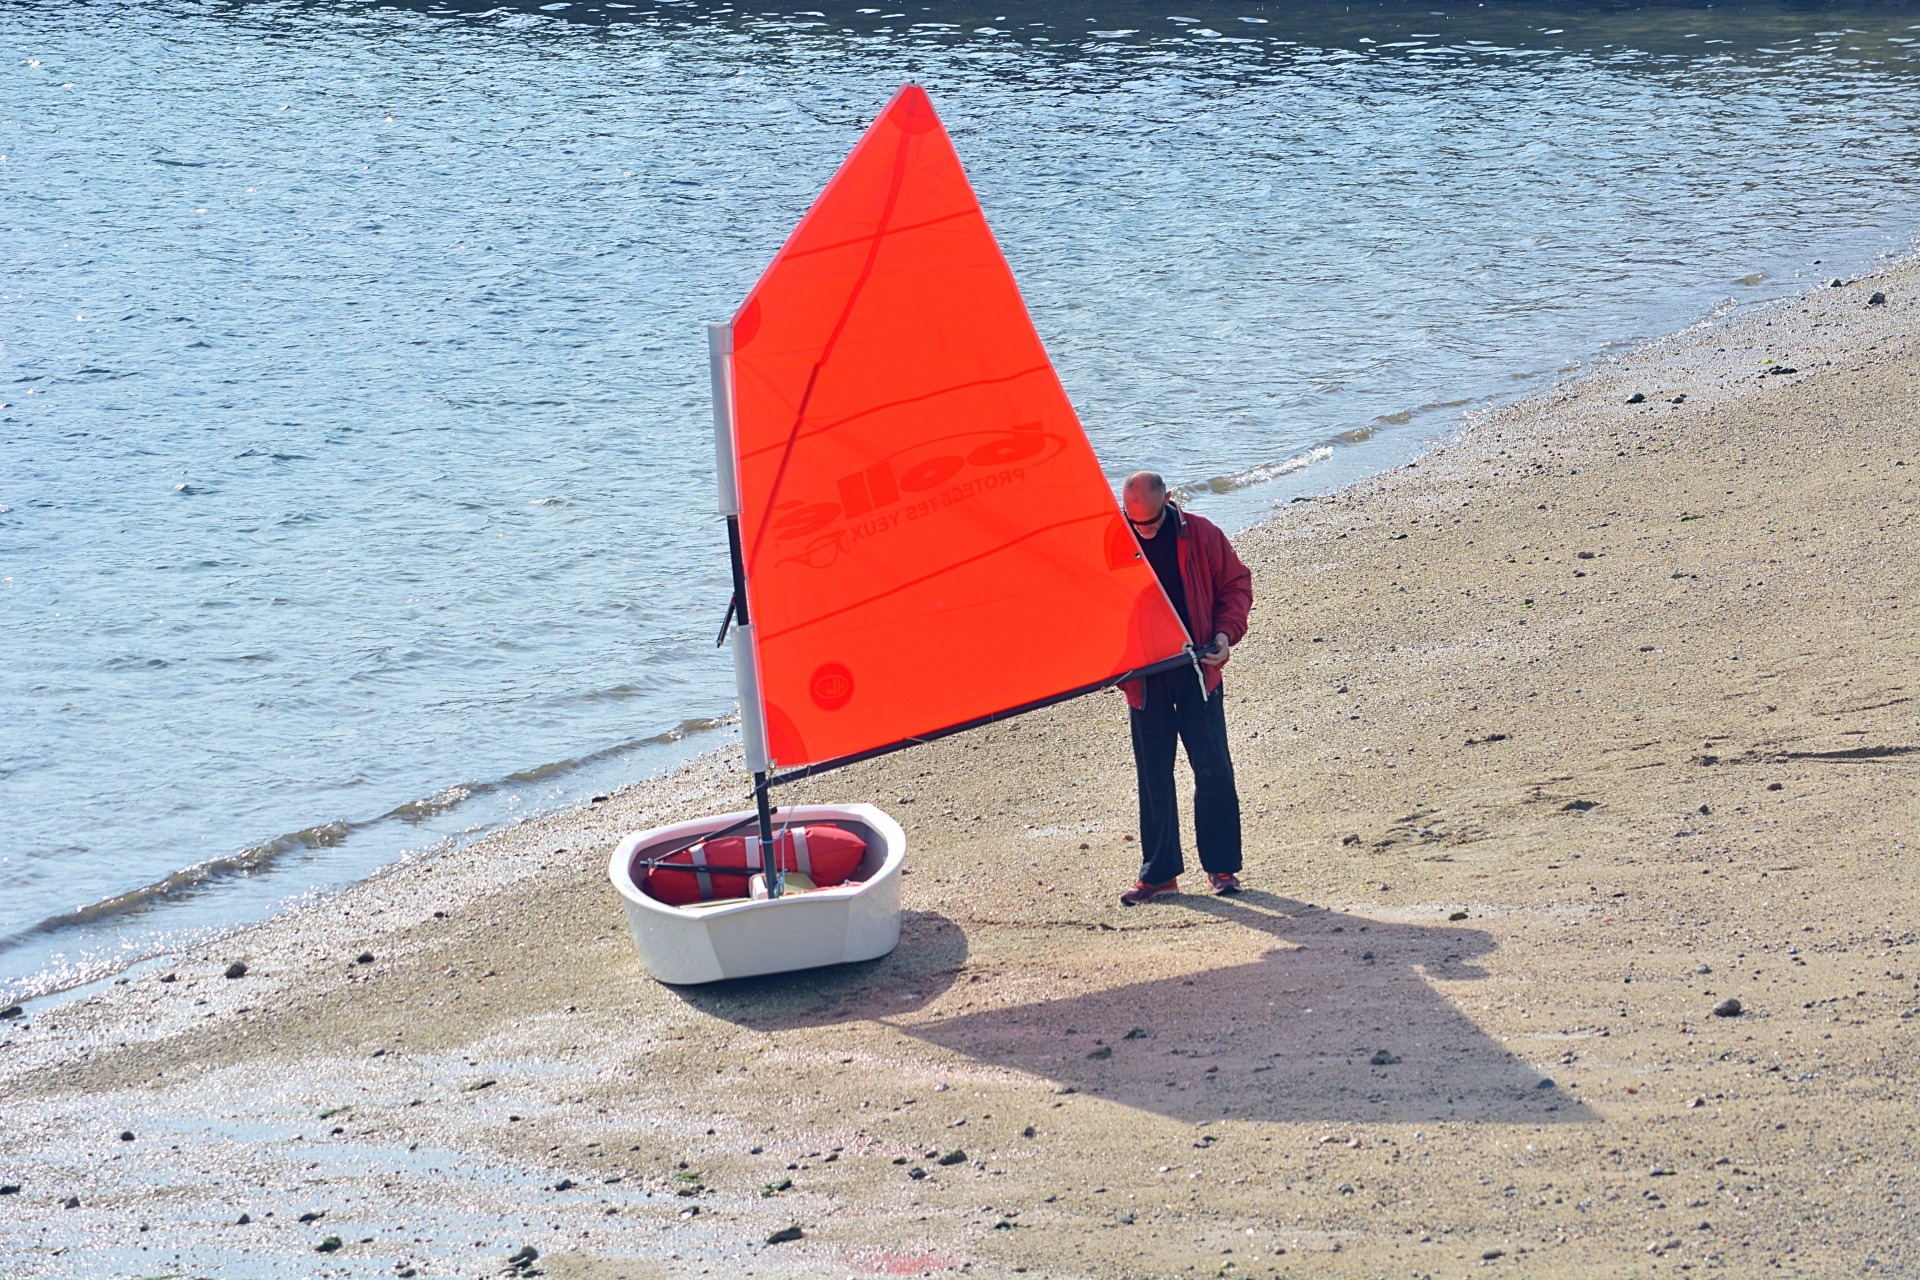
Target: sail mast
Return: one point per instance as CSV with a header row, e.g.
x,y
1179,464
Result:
x,y
746,670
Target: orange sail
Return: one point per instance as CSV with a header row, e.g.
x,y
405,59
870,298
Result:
x,y
926,536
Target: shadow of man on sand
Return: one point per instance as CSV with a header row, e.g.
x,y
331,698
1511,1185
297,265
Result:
x,y
1342,1024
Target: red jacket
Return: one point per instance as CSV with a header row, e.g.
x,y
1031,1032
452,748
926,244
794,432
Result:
x,y
1219,590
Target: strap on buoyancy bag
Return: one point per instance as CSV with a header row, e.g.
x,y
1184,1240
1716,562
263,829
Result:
x,y
802,863
699,854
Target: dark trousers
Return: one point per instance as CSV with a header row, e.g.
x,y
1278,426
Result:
x,y
1176,709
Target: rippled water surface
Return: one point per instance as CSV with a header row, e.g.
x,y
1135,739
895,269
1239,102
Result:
x,y
357,491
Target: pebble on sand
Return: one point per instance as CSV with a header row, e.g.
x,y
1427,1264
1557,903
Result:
x,y
365,957
13,1011
328,1245
1728,1008
71,1202
126,1135
10,1189
1637,397
1877,299
785,1234
237,970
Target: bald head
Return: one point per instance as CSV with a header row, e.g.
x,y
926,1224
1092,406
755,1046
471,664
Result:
x,y
1145,497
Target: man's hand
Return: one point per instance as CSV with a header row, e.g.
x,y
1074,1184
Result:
x,y
1219,654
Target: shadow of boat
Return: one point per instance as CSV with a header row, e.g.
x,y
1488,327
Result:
x,y
932,950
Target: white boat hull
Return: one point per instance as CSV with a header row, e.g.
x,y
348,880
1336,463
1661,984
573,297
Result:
x,y
859,920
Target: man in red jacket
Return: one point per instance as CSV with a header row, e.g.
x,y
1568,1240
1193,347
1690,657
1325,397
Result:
x,y
1211,591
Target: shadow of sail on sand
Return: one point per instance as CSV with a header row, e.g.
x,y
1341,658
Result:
x,y
1313,1030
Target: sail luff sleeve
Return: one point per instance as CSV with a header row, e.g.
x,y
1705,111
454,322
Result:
x,y
720,372
746,658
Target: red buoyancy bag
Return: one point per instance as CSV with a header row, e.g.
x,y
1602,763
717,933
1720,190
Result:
x,y
826,855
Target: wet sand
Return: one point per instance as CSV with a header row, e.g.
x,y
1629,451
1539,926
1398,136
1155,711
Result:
x,y
1548,743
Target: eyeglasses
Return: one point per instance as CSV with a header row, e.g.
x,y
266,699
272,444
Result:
x,y
1148,524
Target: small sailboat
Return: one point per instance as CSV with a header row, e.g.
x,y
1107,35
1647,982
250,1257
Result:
x,y
922,543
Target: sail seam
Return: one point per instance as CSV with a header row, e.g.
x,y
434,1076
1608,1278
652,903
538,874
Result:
x,y
928,577
889,231
896,404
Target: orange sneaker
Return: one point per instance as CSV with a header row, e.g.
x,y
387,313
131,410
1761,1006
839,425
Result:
x,y
1144,892
1223,882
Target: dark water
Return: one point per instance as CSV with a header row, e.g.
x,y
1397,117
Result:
x,y
356,489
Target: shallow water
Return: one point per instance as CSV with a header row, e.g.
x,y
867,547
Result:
x,y
357,492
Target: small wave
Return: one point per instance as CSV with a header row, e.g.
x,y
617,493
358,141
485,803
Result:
x,y
1402,418
199,875
541,772
262,857
1252,475
432,807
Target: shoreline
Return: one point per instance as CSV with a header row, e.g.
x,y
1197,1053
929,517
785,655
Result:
x,y
1545,674
91,970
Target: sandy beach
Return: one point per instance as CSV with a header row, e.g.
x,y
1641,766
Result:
x,y
1549,743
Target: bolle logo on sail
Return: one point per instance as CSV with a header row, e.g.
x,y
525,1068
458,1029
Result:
x,y
910,485
831,686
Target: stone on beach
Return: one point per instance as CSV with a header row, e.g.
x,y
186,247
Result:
x,y
1728,1008
236,970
